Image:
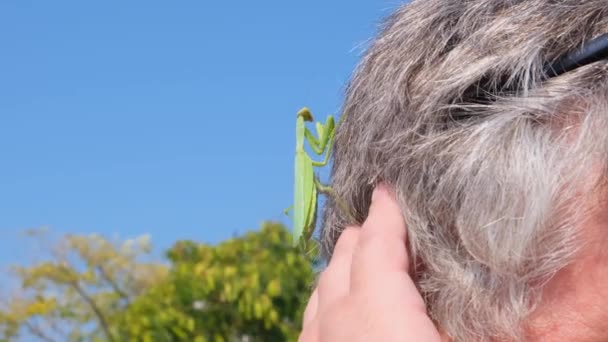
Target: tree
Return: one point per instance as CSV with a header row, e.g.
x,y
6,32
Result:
x,y
76,294
252,287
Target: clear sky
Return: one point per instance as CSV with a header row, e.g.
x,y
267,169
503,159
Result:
x,y
169,118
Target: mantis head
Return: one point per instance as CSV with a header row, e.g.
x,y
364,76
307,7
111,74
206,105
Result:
x,y
305,114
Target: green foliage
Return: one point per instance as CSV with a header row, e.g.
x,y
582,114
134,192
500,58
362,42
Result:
x,y
255,286
252,287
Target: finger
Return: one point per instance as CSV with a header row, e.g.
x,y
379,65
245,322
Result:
x,y
310,333
311,308
335,280
381,262
384,218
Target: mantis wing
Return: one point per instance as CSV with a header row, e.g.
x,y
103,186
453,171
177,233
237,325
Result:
x,y
311,219
303,194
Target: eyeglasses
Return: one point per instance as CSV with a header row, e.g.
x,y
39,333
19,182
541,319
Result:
x,y
485,90
593,51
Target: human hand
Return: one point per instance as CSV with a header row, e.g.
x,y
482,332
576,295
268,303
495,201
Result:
x,y
366,293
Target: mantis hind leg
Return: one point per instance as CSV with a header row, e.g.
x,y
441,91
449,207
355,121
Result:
x,y
326,190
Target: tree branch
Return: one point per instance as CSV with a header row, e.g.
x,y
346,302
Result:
x,y
33,329
113,284
100,316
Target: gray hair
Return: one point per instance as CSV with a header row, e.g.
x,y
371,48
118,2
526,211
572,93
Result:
x,y
488,160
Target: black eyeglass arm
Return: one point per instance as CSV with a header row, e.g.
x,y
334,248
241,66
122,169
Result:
x,y
594,51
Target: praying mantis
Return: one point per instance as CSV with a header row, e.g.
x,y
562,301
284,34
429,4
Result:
x,y
306,184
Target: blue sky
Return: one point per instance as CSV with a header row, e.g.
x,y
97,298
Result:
x,y
169,118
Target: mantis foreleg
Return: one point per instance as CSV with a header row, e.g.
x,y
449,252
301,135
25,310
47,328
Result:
x,y
327,154
327,141
324,132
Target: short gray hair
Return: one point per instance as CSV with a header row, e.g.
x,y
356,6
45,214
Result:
x,y
450,109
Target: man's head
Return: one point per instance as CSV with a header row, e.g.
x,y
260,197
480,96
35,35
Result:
x,y
496,169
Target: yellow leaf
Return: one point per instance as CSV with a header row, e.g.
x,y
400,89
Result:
x,y
265,302
274,316
41,307
257,310
190,324
291,259
199,269
229,271
274,288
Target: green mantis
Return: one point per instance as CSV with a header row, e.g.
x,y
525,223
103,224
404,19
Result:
x,y
307,185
